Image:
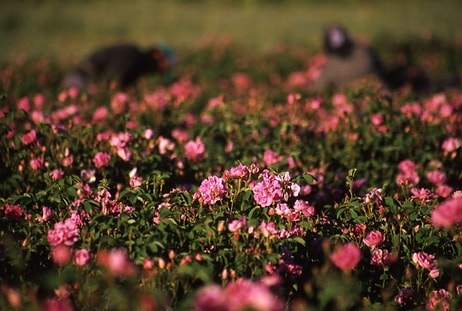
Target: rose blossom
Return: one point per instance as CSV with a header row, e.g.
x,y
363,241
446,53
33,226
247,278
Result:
x,y
29,137
194,150
212,189
82,257
267,191
13,211
426,261
346,257
374,239
439,300
101,159
61,254
447,214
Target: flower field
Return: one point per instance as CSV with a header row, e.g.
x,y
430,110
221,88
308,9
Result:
x,y
231,188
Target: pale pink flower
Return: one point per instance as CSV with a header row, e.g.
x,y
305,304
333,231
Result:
x,y
346,257
101,159
66,232
451,144
248,295
268,229
165,145
426,261
268,191
135,181
148,134
56,174
212,190
194,150
237,224
67,161
47,214
374,239
304,207
124,153
82,257
447,214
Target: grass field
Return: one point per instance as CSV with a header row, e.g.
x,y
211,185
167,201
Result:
x,y
67,29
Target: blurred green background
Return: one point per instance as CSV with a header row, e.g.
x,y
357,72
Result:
x,y
68,29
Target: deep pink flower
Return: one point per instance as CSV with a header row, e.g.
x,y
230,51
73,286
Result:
x,y
13,211
346,257
268,229
304,207
212,189
124,153
374,239
268,191
82,257
194,150
447,214
29,137
101,159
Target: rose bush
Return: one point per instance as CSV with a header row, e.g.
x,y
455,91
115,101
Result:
x,y
231,188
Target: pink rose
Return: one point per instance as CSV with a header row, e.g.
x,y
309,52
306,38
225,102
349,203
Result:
x,y
101,159
447,214
81,257
346,257
374,239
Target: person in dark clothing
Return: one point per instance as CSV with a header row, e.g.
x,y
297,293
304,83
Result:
x,y
346,62
123,63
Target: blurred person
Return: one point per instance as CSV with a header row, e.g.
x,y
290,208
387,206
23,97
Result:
x,y
346,62
123,63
